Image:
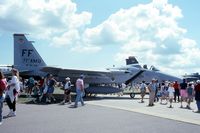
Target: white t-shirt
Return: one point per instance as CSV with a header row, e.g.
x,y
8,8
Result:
x,y
171,92
79,84
67,85
16,86
143,87
15,81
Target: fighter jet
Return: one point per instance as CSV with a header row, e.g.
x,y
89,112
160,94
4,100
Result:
x,y
29,63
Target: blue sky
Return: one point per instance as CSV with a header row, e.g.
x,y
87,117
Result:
x,y
85,34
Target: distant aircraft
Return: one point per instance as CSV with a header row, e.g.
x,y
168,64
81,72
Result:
x,y
29,63
5,68
192,77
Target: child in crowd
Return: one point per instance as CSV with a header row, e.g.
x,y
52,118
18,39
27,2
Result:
x,y
143,87
171,94
159,93
36,92
164,92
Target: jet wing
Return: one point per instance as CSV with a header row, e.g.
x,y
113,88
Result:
x,y
60,72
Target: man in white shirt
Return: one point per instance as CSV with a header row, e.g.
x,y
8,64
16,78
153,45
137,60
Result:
x,y
67,91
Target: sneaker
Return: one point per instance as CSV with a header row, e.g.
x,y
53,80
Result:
x,y
198,111
48,101
170,106
9,114
54,100
75,106
14,113
1,123
34,101
188,107
62,103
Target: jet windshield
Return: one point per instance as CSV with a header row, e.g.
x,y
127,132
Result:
x,y
152,68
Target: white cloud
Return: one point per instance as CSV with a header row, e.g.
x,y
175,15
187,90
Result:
x,y
151,33
68,38
55,20
86,49
105,34
187,43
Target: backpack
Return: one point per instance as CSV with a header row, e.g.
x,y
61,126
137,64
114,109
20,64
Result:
x,y
69,84
31,83
142,87
51,83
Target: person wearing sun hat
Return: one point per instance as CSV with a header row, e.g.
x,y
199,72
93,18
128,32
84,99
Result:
x,y
67,91
12,92
152,89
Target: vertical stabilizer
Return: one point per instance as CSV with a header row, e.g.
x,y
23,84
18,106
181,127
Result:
x,y
131,60
26,56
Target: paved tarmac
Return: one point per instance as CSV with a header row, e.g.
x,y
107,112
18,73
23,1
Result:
x,y
159,110
101,115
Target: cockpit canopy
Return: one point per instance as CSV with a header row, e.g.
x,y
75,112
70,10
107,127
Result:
x,y
152,68
145,66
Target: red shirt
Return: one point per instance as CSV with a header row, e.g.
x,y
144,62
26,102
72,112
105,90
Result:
x,y
41,83
176,86
3,85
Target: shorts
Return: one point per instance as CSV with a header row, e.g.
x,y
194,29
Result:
x,y
165,93
190,97
50,90
67,92
183,93
171,96
159,94
143,93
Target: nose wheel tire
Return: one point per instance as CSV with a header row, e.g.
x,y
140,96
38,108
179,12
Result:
x,y
132,95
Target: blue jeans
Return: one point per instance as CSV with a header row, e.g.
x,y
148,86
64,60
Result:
x,y
79,97
198,104
1,108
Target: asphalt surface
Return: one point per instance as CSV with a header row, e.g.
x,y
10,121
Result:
x,y
55,118
159,110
